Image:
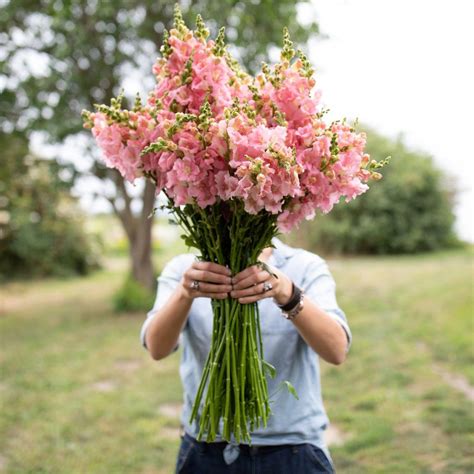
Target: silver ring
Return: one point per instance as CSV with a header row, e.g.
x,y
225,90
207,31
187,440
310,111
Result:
x,y
195,285
267,286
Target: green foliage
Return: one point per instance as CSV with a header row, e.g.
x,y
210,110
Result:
x,y
409,210
41,228
133,297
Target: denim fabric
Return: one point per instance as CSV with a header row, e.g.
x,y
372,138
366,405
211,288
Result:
x,y
292,421
205,458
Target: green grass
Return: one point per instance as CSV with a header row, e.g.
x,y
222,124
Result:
x,y
80,395
408,315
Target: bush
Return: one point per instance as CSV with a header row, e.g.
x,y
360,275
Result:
x,y
409,210
133,297
41,227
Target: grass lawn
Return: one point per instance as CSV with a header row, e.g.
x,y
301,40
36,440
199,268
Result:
x,y
80,395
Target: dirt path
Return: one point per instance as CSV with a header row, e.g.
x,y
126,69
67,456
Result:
x,y
456,381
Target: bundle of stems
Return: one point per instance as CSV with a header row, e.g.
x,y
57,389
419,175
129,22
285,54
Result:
x,y
233,386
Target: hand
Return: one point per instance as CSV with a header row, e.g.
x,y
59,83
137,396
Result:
x,y
248,285
214,281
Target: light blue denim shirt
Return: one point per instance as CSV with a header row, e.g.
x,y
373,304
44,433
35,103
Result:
x,y
292,421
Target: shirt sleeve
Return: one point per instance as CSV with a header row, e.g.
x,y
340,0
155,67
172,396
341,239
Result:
x,y
320,287
167,283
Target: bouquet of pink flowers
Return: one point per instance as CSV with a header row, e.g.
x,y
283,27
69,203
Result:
x,y
240,159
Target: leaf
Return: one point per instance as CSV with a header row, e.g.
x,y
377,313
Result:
x,y
290,388
152,213
269,368
267,268
188,241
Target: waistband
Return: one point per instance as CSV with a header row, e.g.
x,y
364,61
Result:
x,y
250,450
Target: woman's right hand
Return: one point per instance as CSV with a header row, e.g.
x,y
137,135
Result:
x,y
214,281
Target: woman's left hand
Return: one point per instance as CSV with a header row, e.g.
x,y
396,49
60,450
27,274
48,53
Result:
x,y
251,285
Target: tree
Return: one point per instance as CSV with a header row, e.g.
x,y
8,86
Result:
x,y
41,231
409,210
58,57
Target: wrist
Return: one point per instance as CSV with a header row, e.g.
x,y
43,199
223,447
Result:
x,y
183,294
290,314
295,304
285,291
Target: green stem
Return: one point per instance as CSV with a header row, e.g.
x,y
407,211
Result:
x,y
236,384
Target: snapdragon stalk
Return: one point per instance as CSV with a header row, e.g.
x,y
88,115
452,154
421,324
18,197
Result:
x,y
232,398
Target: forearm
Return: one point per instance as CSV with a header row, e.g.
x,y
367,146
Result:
x,y
321,332
213,281
163,332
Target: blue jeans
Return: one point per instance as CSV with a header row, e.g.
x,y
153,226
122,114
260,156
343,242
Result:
x,y
196,457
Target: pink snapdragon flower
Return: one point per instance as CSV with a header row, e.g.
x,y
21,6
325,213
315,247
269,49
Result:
x,y
120,145
259,140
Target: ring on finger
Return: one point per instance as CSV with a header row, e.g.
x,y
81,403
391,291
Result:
x,y
267,286
195,285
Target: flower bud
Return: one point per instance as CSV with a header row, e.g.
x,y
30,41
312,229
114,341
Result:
x,y
330,174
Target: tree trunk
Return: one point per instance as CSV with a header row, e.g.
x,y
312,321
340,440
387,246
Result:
x,y
138,229
141,245
142,265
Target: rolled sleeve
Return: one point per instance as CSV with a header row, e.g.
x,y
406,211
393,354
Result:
x,y
320,287
167,283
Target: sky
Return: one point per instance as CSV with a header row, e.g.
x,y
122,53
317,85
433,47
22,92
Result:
x,y
404,66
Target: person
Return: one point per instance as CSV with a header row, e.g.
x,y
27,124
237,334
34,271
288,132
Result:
x,y
293,440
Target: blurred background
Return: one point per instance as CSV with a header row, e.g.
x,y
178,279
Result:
x,y
79,257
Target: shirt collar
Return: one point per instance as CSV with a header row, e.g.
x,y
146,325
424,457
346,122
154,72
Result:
x,y
281,252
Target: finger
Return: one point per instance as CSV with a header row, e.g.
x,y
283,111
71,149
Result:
x,y
215,296
212,267
212,288
252,279
255,298
251,291
246,273
207,276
